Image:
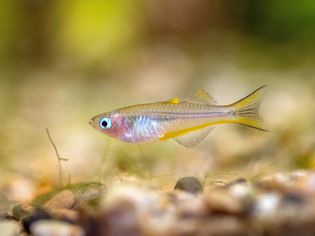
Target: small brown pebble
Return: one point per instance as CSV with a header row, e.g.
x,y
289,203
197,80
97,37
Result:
x,y
65,200
120,218
223,202
189,184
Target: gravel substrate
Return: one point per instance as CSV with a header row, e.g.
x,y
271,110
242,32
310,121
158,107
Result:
x,y
281,204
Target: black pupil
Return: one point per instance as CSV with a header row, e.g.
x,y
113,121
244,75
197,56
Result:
x,y
104,123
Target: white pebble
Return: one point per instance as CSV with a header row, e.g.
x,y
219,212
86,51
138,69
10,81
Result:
x,y
55,228
267,205
9,228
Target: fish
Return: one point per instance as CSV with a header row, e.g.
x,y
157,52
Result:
x,y
187,121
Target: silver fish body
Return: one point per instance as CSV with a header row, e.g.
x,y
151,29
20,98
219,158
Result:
x,y
188,121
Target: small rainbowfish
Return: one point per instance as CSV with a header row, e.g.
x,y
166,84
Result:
x,y
187,121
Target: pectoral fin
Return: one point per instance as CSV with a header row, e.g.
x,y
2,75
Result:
x,y
193,138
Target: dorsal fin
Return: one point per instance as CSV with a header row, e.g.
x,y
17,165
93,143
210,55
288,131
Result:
x,y
201,96
173,100
193,138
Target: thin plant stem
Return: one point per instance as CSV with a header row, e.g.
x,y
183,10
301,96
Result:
x,y
59,159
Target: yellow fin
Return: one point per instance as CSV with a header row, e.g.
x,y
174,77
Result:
x,y
247,110
201,96
193,138
173,100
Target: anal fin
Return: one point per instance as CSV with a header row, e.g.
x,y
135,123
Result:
x,y
193,138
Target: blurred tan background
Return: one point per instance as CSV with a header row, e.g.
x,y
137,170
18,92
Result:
x,y
62,62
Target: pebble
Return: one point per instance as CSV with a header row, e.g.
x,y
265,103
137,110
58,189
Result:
x,y
267,205
120,218
189,184
220,201
55,228
62,200
9,228
193,207
240,189
279,204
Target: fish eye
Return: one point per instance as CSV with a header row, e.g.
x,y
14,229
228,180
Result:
x,y
105,123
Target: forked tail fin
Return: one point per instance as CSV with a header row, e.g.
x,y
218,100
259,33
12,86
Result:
x,y
247,110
